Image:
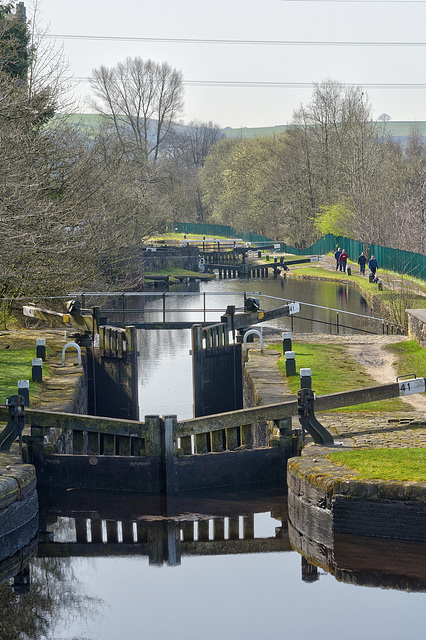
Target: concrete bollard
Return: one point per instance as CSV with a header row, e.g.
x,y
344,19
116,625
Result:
x,y
259,253
290,363
37,369
286,336
305,379
371,277
41,348
349,270
24,391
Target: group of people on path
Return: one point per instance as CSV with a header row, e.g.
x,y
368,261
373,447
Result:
x,y
341,258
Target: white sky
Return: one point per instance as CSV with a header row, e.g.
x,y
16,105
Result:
x,y
256,20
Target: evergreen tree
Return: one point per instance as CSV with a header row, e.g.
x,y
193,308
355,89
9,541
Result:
x,y
15,53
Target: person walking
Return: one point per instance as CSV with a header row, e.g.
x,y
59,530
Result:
x,y
337,257
372,265
362,261
342,261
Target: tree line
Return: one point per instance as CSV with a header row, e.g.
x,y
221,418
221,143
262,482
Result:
x,y
333,170
77,205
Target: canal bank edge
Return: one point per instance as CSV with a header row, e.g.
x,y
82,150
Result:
x,y
64,390
326,499
416,317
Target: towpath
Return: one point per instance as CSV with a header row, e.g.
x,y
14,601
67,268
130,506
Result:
x,y
359,429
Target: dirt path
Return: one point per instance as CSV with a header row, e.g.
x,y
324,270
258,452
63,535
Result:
x,y
370,352
380,364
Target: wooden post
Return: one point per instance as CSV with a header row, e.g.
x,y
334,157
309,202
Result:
x,y
96,530
232,438
234,528
137,446
153,445
203,531
169,452
247,435
186,446
201,443
112,531
248,527
92,443
81,530
130,339
36,443
77,442
107,444
217,440
218,529
127,530
188,531
123,445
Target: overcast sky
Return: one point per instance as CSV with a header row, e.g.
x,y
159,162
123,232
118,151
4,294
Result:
x,y
270,29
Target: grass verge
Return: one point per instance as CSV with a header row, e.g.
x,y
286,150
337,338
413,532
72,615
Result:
x,y
410,358
408,465
332,371
15,364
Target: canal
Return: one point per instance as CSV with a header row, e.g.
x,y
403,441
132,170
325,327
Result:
x,y
211,565
165,371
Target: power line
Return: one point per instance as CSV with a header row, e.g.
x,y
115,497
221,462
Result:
x,y
360,1
284,85
292,43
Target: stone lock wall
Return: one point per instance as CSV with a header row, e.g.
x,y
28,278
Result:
x,y
417,325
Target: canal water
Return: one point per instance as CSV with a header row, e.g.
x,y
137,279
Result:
x,y
215,565
166,366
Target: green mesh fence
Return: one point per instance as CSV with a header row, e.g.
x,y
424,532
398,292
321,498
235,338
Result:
x,y
405,262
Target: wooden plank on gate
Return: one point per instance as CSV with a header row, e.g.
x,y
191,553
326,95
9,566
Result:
x,y
122,444
247,435
108,444
185,444
201,445
232,439
217,440
138,446
93,443
77,443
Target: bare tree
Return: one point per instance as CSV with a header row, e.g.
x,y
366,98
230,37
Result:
x,y
141,100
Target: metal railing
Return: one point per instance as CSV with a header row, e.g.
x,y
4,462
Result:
x,y
386,327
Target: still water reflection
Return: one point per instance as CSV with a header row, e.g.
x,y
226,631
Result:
x,y
214,565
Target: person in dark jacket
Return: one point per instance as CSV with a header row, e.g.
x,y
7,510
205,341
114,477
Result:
x,y
342,261
362,261
372,265
337,257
